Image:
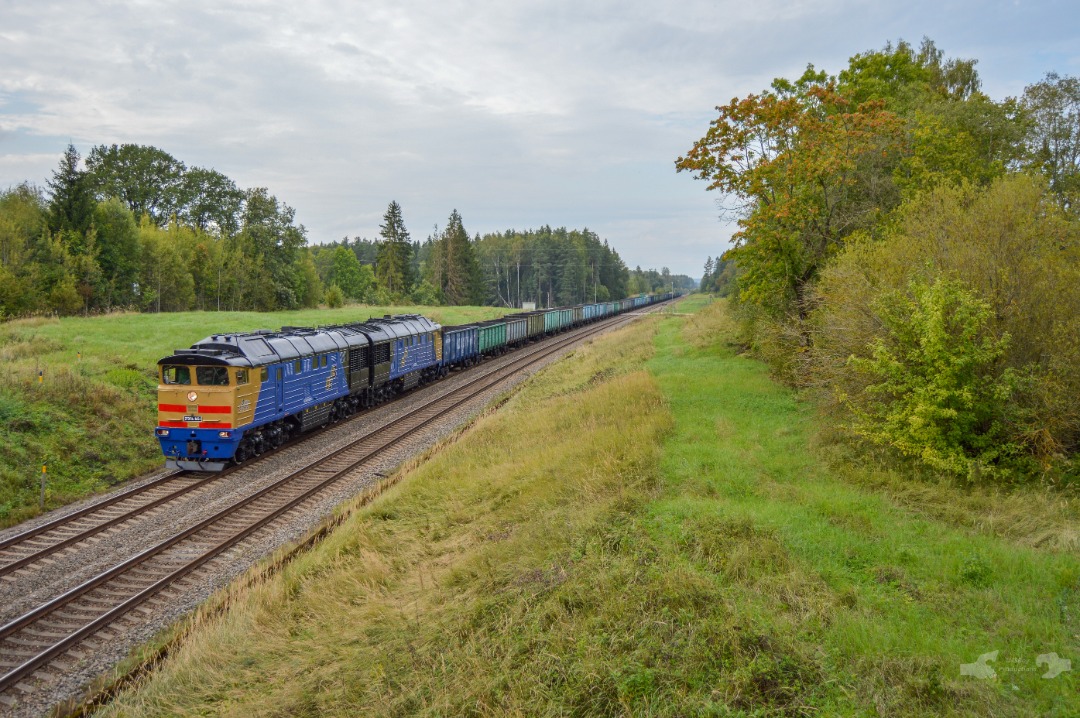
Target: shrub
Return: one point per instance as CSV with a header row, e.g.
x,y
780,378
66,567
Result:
x,y
334,297
935,388
425,294
1017,251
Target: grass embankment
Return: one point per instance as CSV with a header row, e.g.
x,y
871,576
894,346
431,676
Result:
x,y
91,417
645,529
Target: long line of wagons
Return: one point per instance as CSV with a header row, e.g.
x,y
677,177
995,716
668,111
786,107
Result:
x,y
233,396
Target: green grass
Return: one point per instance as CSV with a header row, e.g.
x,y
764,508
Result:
x,y
875,601
647,528
90,419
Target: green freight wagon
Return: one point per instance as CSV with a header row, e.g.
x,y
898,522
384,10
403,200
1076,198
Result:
x,y
551,321
492,336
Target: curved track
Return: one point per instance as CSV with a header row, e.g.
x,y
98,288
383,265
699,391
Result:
x,y
49,638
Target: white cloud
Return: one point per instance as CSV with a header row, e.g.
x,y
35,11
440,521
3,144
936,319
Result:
x,y
516,113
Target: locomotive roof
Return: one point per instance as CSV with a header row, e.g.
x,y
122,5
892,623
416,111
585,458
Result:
x,y
265,346
262,346
403,325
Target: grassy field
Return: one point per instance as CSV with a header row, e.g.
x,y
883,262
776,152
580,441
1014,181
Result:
x,y
90,419
651,527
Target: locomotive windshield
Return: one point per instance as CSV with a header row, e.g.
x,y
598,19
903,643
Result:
x,y
176,375
212,375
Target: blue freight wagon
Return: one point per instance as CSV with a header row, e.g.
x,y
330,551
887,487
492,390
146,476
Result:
x,y
460,345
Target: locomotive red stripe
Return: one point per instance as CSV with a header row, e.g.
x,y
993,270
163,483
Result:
x,y
215,425
171,407
214,409
180,424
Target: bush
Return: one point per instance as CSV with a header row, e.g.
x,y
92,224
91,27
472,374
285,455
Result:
x,y
935,388
1017,253
334,297
425,294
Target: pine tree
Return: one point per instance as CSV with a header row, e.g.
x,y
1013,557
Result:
x,y
393,264
462,280
71,206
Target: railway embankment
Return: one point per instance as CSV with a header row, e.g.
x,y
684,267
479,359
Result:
x,y
653,526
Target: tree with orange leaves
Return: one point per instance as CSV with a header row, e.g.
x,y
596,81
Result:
x,y
805,168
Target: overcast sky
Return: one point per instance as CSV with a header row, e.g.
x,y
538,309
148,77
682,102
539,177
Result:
x,y
518,114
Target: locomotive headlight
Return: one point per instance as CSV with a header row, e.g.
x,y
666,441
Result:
x,y
224,434
162,432
193,396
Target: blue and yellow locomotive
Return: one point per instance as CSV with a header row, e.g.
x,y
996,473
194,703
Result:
x,y
233,396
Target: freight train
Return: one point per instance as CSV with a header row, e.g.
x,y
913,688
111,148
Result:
x,y
233,396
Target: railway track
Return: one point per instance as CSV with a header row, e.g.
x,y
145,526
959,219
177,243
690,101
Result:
x,y
21,551
57,634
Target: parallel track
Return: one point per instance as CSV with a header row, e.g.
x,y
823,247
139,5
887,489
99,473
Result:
x,y
42,640
20,551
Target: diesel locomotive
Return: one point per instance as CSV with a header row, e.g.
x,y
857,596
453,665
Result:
x,y
233,396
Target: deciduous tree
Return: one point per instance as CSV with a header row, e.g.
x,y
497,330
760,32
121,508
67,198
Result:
x,y
147,179
1052,108
118,252
806,167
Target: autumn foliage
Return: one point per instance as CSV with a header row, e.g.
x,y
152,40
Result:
x,y
904,246
802,165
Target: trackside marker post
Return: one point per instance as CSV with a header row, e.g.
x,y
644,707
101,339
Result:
x,y
44,471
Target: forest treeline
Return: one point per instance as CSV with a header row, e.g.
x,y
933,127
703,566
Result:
x,y
910,248
134,228
547,267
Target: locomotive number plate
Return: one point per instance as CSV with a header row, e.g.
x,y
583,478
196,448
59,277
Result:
x,y
192,417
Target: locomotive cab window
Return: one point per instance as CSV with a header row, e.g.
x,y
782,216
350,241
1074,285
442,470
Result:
x,y
322,360
298,366
241,376
212,375
176,375
263,374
